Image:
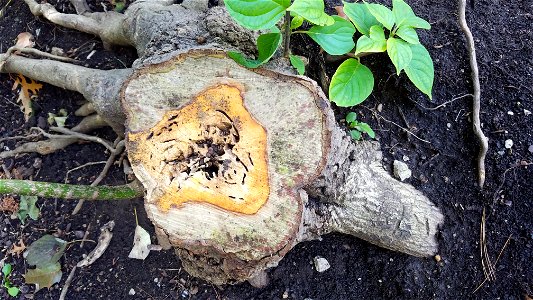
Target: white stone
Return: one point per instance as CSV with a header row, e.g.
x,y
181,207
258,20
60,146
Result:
x,y
527,112
131,292
405,158
449,125
509,144
401,170
510,113
321,264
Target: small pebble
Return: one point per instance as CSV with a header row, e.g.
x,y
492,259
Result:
x,y
509,144
527,112
510,113
530,149
131,292
285,295
321,264
438,258
501,153
380,107
401,170
449,125
405,158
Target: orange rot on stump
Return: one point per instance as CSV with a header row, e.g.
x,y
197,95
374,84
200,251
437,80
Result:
x,y
211,150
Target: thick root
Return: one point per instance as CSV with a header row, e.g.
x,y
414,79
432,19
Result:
x,y
108,26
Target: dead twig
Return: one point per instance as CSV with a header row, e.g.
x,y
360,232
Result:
x,y
483,140
498,190
495,263
118,149
377,115
81,167
69,134
103,242
443,104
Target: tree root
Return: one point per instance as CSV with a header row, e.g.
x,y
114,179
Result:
x,y
107,26
88,124
483,140
117,150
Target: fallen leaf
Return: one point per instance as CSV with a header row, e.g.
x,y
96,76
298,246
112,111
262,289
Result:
x,y
44,276
45,251
9,204
141,244
17,249
28,207
103,242
340,12
25,40
24,94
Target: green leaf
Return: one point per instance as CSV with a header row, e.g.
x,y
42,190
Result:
x,y
355,134
364,127
382,14
297,63
6,270
44,276
373,44
44,251
401,11
366,44
243,61
119,6
267,44
297,22
257,14
351,84
408,34
13,291
359,14
336,39
400,53
312,11
420,70
416,22
351,117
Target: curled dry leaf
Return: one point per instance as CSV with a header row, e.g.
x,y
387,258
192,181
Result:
x,y
141,244
24,94
103,242
25,40
340,12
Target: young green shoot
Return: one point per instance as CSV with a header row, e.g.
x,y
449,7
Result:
x,y
358,128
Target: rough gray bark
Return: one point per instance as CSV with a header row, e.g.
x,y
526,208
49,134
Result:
x,y
319,180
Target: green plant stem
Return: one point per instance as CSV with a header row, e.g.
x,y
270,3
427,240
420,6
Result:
x,y
287,35
71,191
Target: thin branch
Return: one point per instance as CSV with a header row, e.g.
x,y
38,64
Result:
x,y
69,134
483,140
119,148
395,124
443,104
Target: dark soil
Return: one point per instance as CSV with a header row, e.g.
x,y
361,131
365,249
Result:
x,y
444,169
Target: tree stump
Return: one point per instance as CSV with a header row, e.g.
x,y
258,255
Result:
x,y
239,165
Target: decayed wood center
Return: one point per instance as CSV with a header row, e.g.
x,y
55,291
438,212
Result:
x,y
211,150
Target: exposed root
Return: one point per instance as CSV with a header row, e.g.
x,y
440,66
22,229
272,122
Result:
x,y
88,124
488,266
85,110
483,140
117,150
108,26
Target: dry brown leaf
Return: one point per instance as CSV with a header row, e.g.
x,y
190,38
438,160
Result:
x,y
9,204
18,249
25,40
24,94
340,12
